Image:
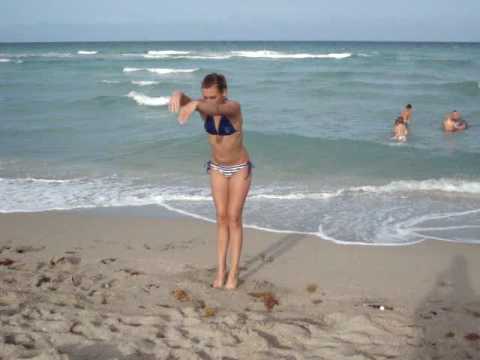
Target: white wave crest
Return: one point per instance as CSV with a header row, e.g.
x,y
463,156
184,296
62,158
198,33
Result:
x,y
191,57
129,69
209,57
37,194
145,83
146,56
133,54
5,60
28,55
86,52
161,71
443,185
295,196
278,55
167,52
438,185
52,54
32,180
110,81
42,194
143,99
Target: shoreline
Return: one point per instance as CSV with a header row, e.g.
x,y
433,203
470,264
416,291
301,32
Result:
x,y
166,212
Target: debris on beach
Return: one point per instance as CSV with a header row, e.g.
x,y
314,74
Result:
x,y
181,295
268,298
472,337
312,288
380,307
210,312
7,262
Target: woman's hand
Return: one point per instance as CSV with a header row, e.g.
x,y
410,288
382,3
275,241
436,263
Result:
x,y
175,101
186,111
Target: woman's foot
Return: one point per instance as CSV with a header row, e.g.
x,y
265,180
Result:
x,y
232,281
219,280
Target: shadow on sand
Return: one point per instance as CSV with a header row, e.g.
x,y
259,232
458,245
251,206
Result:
x,y
267,256
449,317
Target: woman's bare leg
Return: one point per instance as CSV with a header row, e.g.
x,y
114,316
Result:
x,y
238,187
219,184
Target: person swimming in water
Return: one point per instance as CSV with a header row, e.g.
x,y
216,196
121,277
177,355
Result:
x,y
406,114
400,130
453,122
230,168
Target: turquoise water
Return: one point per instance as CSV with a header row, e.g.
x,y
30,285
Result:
x,y
86,125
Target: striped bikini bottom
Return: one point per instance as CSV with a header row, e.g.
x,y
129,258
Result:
x,y
229,170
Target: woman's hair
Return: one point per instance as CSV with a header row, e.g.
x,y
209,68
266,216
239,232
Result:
x,y
399,120
215,79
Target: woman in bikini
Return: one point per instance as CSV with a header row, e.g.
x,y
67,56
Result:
x,y
230,167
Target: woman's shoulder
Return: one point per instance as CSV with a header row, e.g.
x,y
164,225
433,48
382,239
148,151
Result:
x,y
230,102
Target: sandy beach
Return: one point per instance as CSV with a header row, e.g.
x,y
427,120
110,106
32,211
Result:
x,y
79,285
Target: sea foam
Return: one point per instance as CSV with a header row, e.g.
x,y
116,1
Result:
x,y
86,52
145,83
160,71
268,54
143,99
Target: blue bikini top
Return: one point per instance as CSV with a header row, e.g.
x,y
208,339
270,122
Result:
x,y
225,127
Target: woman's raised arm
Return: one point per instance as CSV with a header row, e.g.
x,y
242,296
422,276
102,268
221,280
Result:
x,y
229,108
177,100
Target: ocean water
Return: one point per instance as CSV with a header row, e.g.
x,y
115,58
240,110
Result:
x,y
86,125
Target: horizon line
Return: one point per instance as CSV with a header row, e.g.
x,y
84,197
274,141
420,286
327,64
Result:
x,y
244,40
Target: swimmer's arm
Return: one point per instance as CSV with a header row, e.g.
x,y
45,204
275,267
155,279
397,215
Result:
x,y
229,109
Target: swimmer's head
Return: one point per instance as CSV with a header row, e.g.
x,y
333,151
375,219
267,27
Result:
x,y
214,88
409,107
455,115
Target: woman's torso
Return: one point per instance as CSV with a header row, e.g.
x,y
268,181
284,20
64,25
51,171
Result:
x,y
228,149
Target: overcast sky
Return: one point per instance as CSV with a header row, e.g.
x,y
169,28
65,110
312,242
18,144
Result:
x,y
378,20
